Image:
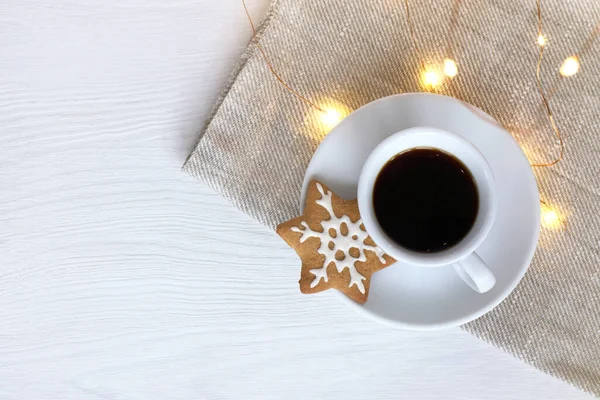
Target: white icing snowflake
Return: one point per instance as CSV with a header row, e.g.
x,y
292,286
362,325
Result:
x,y
331,244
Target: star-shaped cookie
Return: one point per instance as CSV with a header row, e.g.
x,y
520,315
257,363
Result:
x,y
335,249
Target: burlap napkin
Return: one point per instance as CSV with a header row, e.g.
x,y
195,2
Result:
x,y
260,138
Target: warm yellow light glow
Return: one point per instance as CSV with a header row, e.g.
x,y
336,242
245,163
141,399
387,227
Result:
x,y
331,117
570,66
541,40
328,113
450,68
551,218
431,78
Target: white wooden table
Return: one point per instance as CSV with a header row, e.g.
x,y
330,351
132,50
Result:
x,y
123,278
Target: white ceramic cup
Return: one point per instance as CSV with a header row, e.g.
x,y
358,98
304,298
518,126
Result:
x,y
463,256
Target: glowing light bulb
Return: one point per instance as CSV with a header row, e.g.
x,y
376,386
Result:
x,y
541,40
550,218
431,78
327,114
331,117
450,68
570,66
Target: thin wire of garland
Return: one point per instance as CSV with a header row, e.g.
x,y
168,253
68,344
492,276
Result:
x,y
270,65
543,92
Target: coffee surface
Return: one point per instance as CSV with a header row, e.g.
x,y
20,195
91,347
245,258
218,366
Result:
x,y
425,200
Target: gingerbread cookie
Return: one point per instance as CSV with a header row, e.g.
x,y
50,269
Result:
x,y
335,249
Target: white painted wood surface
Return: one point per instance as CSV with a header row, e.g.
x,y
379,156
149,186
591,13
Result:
x,y
123,278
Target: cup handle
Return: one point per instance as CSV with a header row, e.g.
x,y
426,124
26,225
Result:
x,y
475,273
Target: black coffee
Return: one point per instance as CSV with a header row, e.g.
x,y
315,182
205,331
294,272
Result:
x,y
425,200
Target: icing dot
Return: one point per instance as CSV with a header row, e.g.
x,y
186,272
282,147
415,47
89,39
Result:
x,y
339,255
332,232
331,245
354,252
354,237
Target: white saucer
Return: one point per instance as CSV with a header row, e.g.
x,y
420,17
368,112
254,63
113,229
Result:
x,y
436,298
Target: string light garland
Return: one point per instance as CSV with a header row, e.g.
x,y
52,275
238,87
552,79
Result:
x,y
550,218
432,77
